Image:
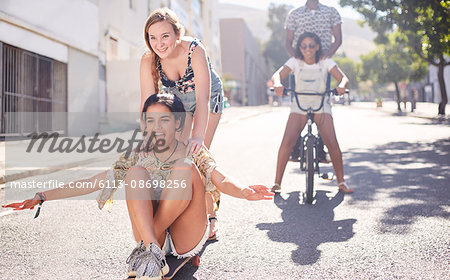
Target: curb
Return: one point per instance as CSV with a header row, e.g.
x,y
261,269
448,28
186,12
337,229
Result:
x,y
41,171
408,114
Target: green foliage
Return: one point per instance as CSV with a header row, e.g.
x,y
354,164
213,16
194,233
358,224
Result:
x,y
274,50
424,23
351,69
392,62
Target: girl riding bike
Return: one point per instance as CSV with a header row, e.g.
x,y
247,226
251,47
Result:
x,y
310,76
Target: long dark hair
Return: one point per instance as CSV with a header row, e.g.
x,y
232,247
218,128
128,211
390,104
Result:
x,y
298,53
171,101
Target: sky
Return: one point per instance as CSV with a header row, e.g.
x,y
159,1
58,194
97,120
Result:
x,y
346,12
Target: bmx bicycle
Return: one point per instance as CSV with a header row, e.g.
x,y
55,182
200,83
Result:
x,y
309,160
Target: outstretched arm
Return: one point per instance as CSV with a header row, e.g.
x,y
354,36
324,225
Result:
x,y
215,176
66,191
232,187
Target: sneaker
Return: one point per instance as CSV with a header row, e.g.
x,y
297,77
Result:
x,y
132,259
151,264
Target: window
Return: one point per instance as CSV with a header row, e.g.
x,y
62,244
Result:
x,y
30,83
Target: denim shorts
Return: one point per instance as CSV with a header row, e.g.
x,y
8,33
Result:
x,y
215,100
169,248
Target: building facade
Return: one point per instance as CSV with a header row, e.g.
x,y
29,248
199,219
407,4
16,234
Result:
x,y
82,56
50,60
243,64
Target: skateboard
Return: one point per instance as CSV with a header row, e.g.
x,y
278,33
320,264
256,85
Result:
x,y
176,264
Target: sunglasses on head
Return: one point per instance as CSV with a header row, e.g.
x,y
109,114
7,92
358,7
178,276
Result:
x,y
305,46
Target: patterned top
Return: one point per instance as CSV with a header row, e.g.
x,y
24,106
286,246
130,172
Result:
x,y
158,171
320,21
186,83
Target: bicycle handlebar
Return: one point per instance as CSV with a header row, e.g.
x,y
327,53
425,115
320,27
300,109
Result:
x,y
287,92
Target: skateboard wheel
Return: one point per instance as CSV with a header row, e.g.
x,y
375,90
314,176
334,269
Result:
x,y
196,261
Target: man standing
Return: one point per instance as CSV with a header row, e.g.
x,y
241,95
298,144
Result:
x,y
314,17
324,21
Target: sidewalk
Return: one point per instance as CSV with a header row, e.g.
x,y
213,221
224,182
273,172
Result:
x,y
230,115
39,163
423,109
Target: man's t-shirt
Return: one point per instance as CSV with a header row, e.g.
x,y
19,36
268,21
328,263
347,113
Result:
x,y
320,21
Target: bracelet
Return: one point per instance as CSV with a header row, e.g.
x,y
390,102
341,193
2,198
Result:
x,y
43,198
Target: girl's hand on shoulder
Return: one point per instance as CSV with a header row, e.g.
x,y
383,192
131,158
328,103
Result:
x,y
26,204
340,90
193,145
257,192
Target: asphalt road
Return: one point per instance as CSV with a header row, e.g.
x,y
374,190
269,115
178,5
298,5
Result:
x,y
395,226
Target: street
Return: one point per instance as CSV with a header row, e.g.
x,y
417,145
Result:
x,y
395,226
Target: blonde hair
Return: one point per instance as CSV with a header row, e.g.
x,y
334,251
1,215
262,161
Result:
x,y
162,14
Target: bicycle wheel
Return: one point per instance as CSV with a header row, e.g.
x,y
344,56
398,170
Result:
x,y
302,156
309,172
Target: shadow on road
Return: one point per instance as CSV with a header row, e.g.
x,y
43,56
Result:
x,y
308,226
414,177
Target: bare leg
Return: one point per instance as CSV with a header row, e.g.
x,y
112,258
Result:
x,y
140,206
294,126
213,122
211,214
188,229
326,128
172,204
175,200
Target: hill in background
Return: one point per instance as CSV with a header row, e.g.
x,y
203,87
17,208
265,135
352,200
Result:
x,y
357,40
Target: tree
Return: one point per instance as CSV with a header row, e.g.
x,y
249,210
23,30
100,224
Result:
x,y
390,63
351,69
274,50
424,23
